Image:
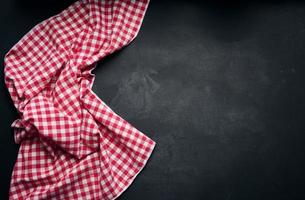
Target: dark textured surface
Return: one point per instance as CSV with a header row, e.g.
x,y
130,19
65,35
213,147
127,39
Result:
x,y
218,85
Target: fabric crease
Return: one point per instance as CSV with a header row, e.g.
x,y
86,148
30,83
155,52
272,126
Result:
x,y
73,145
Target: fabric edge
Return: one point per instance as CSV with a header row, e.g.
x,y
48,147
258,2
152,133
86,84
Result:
x,y
153,144
140,170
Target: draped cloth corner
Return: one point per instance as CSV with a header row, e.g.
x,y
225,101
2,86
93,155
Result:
x,y
72,145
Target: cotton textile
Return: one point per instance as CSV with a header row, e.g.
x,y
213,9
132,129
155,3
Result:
x,y
72,145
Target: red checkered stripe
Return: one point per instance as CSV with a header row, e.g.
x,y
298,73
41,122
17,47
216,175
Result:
x,y
72,145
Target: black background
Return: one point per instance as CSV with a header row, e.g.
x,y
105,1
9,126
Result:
x,y
219,85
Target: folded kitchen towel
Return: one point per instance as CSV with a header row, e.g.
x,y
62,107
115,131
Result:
x,y
72,145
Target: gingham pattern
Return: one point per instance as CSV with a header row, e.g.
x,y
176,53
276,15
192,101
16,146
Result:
x,y
72,145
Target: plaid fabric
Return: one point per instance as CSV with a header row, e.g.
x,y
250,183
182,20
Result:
x,y
72,145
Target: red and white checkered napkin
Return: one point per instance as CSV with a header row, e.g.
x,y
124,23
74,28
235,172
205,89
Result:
x,y
72,145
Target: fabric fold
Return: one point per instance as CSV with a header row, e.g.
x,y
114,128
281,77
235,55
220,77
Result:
x,y
73,145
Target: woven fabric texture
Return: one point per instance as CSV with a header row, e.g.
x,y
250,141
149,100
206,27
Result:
x,y
72,145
